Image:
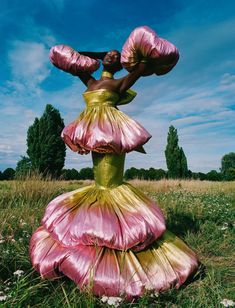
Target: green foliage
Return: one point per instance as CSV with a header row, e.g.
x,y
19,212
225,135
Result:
x,y
213,175
70,174
144,174
228,166
23,167
131,174
86,173
198,176
46,149
8,174
175,158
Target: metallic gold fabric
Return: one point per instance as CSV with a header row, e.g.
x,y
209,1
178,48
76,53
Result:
x,y
107,74
102,128
108,169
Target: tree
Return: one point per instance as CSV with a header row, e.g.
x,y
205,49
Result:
x,y
46,149
70,174
8,174
131,173
213,175
175,158
86,174
23,167
228,166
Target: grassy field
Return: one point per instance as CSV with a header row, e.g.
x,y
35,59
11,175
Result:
x,y
201,213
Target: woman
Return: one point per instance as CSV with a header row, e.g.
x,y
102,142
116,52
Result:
x,y
109,236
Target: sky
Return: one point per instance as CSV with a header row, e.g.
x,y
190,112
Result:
x,y
197,96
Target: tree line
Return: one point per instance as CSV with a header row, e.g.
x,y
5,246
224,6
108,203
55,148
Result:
x,y
46,155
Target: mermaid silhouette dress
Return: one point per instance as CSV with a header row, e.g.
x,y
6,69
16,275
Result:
x,y
109,236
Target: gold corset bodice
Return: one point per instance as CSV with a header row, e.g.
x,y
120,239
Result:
x,y
101,97
104,97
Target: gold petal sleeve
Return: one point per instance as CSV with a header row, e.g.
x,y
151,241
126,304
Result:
x,y
127,97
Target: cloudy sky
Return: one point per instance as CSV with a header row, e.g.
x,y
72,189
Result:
x,y
197,97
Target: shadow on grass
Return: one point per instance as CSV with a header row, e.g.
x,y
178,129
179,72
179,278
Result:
x,y
180,223
199,274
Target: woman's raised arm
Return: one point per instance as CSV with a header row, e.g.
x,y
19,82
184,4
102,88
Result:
x,y
127,82
86,78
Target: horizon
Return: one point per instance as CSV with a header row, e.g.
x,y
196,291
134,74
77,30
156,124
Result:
x,y
196,97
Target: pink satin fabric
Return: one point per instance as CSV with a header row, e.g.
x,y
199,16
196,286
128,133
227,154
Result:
x,y
143,44
162,266
103,128
70,61
120,218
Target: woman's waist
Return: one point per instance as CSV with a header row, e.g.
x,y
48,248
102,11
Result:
x,y
101,104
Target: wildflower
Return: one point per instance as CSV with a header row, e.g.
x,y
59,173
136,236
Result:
x,y
3,298
115,301
22,223
18,273
223,228
104,299
227,303
149,287
2,241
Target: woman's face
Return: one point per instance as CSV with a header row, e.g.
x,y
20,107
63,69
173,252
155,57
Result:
x,y
112,60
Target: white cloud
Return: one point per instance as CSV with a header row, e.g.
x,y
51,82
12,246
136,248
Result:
x,y
29,63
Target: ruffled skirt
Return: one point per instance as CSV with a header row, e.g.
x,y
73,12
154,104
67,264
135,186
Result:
x,y
113,241
104,129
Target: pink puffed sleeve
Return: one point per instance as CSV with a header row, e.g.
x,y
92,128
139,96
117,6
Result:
x,y
69,60
143,45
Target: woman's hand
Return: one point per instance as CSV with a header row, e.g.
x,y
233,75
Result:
x,y
145,68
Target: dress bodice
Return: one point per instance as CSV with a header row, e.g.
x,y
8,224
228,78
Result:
x,y
104,97
101,97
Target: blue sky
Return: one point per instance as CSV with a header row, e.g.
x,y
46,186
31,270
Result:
x,y
197,97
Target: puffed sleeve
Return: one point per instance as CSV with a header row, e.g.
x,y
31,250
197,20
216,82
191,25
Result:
x,y
127,97
70,61
143,45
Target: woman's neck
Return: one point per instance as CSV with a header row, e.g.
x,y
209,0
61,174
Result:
x,y
106,74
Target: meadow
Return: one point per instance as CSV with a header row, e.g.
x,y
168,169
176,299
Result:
x,y
201,213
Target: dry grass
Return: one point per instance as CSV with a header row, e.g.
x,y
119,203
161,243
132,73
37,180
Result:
x,y
165,185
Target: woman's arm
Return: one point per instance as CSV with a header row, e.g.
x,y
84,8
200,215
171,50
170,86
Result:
x,y
94,55
126,82
86,78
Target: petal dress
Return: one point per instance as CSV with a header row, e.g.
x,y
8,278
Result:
x,y
109,237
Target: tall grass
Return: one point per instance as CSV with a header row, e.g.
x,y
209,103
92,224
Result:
x,y
201,213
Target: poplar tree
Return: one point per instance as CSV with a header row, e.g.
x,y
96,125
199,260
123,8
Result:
x,y
175,158
46,149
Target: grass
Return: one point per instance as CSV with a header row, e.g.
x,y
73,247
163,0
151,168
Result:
x,y
201,213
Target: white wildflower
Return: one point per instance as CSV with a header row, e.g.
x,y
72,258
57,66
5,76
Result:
x,y
149,287
104,299
3,298
227,303
6,289
223,228
115,301
1,292
22,223
2,241
18,273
